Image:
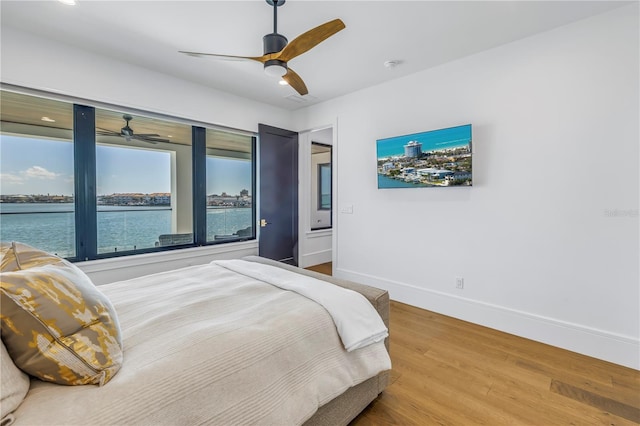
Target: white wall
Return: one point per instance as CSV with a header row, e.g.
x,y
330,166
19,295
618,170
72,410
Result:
x,y
547,238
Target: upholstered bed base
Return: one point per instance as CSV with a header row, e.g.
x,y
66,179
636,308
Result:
x,y
344,408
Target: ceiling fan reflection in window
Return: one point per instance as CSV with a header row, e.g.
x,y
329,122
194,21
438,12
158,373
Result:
x,y
278,51
128,133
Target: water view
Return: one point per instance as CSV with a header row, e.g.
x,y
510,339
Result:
x,y
50,226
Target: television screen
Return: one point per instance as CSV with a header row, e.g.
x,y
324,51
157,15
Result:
x,y
437,158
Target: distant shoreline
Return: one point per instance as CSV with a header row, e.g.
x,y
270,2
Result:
x,y
432,152
386,182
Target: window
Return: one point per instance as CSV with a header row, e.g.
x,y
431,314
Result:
x,y
134,203
143,166
87,183
320,186
37,180
324,186
229,190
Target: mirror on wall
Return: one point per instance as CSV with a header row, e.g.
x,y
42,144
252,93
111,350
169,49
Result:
x,y
321,186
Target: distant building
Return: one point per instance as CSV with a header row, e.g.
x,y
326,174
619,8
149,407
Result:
x,y
435,173
413,149
225,200
136,199
388,166
459,176
161,198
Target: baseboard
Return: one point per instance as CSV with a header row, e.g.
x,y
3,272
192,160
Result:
x,y
611,347
315,258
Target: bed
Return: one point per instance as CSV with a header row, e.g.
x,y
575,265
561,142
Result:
x,y
220,344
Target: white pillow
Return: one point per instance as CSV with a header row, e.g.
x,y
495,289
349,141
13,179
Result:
x,y
15,385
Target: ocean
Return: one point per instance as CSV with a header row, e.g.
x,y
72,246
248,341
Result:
x,y
50,227
453,137
387,182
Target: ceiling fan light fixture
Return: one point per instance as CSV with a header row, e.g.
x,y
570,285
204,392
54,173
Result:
x,y
283,83
275,68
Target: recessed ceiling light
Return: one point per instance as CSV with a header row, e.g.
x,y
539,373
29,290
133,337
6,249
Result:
x,y
392,64
68,2
48,120
283,83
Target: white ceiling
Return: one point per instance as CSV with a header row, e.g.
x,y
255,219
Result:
x,y
421,34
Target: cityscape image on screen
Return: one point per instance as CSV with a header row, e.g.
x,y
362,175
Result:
x,y
436,158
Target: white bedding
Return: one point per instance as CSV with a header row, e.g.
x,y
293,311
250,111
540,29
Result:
x,y
206,345
356,320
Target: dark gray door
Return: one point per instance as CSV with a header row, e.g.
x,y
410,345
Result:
x,y
278,194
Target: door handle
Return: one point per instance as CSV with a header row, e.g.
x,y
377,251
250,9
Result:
x,y
263,223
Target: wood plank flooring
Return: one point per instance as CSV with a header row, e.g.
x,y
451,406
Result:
x,y
451,372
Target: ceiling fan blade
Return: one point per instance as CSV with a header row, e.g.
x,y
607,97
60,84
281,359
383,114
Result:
x,y
105,132
148,140
295,81
261,59
310,39
145,135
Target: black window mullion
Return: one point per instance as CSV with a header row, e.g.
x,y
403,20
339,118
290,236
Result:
x,y
199,164
84,151
254,180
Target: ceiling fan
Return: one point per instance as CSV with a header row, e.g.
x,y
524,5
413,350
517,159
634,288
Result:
x,y
278,52
127,133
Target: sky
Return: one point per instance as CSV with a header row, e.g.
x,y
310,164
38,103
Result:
x,y
228,175
39,166
432,140
44,167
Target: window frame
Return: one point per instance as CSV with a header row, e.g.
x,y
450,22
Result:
x,y
85,196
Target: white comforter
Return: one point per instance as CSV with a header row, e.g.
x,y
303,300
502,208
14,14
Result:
x,y
356,320
206,345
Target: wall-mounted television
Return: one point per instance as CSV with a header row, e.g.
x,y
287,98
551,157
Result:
x,y
436,158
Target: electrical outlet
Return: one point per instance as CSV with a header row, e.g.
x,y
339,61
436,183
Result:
x,y
460,283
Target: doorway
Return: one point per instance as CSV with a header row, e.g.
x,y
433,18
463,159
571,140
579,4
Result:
x,y
316,196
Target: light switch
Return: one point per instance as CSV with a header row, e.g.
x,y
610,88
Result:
x,y
347,209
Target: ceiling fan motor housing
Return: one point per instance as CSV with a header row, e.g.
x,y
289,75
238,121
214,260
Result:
x,y
273,43
126,130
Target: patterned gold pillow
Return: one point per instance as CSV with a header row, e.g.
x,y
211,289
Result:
x,y
56,324
8,261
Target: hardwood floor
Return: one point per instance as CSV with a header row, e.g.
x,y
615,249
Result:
x,y
323,268
451,372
